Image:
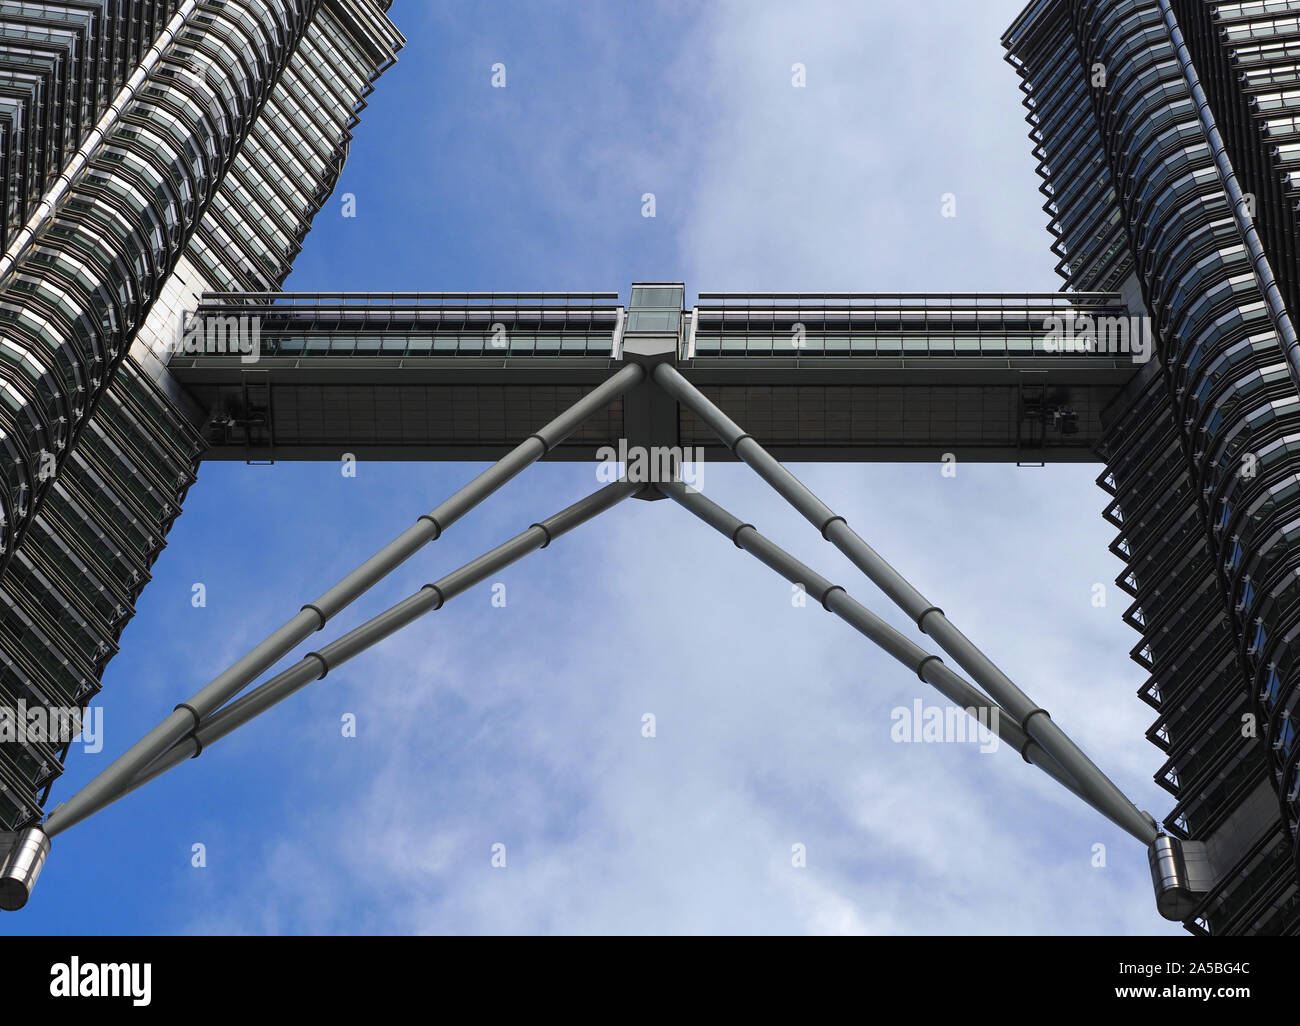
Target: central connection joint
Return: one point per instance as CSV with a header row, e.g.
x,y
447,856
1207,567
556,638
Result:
x,y
652,334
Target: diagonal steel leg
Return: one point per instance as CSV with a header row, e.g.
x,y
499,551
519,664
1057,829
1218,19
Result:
x,y
315,665
313,616
1033,719
930,668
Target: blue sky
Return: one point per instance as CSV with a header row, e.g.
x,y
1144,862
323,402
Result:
x,y
522,725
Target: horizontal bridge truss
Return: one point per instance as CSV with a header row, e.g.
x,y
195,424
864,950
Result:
x,y
834,377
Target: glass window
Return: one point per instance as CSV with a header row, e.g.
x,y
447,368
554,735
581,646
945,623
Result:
x,y
658,298
640,320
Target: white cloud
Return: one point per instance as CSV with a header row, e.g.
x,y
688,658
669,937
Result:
x,y
522,726
839,185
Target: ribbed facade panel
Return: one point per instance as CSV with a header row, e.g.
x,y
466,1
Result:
x,y
1203,450
176,181
60,65
1082,208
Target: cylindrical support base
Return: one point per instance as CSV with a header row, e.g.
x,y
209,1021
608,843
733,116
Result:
x,y
1175,898
21,866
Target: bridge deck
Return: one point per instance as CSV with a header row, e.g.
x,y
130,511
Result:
x,y
822,378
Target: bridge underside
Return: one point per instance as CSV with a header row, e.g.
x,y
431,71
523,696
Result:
x,y
457,409
910,380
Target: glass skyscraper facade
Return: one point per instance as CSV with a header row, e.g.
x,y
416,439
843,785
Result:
x,y
1168,140
152,151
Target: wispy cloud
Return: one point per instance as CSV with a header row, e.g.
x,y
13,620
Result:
x,y
522,726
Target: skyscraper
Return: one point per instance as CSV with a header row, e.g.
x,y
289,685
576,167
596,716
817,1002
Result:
x,y
153,150
1168,140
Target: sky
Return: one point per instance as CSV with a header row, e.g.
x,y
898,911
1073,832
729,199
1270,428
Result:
x,y
771,798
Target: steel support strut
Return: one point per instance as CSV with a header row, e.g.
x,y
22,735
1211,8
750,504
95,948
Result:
x,y
186,717
1033,720
929,668
315,665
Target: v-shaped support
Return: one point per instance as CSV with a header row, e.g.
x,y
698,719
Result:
x,y
835,599
117,779
211,714
1089,781
315,665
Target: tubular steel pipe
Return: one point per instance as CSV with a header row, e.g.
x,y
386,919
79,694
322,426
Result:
x,y
1034,720
107,786
315,665
929,668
